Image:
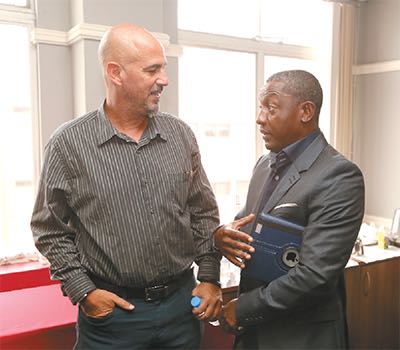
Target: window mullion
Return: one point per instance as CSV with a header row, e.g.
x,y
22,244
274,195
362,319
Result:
x,y
224,42
259,84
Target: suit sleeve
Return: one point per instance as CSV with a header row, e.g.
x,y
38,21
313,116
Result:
x,y
335,212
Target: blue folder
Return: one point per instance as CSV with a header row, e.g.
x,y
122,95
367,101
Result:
x,y
277,248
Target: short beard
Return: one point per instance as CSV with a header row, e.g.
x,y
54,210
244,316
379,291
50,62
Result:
x,y
152,112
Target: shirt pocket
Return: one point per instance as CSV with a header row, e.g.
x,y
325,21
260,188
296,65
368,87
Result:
x,y
179,187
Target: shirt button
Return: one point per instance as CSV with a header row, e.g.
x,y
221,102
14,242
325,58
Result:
x,y
276,177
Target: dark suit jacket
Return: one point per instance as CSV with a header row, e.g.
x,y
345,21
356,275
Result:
x,y
324,192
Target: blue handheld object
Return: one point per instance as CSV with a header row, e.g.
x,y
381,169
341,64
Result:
x,y
195,302
277,243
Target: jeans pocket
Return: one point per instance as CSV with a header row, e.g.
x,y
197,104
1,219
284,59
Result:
x,y
96,320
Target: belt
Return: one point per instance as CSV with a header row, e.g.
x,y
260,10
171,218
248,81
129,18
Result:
x,y
149,294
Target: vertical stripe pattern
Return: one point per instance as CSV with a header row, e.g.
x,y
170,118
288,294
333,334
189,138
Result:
x,y
135,214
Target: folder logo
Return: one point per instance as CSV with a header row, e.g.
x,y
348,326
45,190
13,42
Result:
x,y
290,257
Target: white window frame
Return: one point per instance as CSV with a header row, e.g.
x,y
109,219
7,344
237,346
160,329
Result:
x,y
25,16
258,47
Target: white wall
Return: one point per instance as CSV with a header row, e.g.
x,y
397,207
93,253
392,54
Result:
x,y
376,109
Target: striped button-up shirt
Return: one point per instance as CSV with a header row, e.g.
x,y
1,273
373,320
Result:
x,y
134,214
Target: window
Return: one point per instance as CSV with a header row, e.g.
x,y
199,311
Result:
x,y
295,22
22,3
284,21
216,98
229,17
217,130
222,188
16,150
218,88
230,48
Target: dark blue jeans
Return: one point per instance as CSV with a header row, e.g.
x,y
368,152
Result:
x,y
164,324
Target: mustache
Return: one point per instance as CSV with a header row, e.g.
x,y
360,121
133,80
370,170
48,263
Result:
x,y
157,90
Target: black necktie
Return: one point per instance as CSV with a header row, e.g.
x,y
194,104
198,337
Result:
x,y
281,160
277,166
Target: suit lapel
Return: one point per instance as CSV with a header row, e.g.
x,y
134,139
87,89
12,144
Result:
x,y
300,165
290,178
258,183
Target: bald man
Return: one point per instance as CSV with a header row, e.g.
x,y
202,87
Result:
x,y
124,209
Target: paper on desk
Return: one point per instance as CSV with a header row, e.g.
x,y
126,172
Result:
x,y
352,263
373,253
368,234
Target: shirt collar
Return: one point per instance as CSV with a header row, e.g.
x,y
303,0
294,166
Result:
x,y
155,129
106,131
296,148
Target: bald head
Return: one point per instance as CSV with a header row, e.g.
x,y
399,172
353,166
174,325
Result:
x,y
134,70
122,43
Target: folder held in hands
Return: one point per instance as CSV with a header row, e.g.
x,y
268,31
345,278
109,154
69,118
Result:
x,y
277,248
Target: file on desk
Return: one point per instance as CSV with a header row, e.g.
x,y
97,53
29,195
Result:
x,y
277,248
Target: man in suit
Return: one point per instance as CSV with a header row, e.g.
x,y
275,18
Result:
x,y
306,181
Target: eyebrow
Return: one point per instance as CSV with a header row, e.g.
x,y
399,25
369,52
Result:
x,y
156,65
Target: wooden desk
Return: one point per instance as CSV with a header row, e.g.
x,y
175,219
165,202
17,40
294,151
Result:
x,y
373,307
373,294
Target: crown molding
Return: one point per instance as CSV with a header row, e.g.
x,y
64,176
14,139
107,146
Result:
x,y
90,31
48,36
86,31
378,67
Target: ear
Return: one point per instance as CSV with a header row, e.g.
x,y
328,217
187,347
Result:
x,y
307,111
113,71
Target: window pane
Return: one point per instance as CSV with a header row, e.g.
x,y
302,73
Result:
x,y
274,64
217,99
297,22
228,17
14,2
286,21
16,160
